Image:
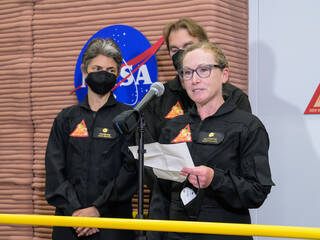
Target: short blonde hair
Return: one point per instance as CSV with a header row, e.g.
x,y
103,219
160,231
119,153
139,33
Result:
x,y
220,58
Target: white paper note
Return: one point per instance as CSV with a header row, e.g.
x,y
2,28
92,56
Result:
x,y
167,160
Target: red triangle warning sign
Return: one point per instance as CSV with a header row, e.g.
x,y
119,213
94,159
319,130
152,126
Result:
x,y
80,131
183,136
176,110
314,105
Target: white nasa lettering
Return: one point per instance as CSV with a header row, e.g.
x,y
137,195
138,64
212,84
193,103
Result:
x,y
143,75
124,73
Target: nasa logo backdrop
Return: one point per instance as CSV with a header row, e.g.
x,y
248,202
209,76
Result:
x,y
131,43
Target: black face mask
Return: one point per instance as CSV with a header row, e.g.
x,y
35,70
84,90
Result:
x,y
193,207
176,59
101,82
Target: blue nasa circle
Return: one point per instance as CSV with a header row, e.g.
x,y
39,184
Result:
x,y
131,43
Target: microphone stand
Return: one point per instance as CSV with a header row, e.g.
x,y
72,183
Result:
x,y
141,151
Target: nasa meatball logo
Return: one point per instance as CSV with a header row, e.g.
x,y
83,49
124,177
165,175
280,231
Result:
x,y
139,66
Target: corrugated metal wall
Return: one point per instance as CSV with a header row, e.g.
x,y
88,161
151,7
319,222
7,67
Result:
x,y
40,43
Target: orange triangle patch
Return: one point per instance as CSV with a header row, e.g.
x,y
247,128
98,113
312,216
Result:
x,y
183,136
314,105
80,131
176,110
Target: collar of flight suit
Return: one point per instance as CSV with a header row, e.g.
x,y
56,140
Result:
x,y
111,101
175,84
227,107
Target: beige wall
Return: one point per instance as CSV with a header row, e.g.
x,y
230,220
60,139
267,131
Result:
x,y
39,44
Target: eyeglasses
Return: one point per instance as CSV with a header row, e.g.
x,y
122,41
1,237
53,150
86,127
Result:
x,y
203,71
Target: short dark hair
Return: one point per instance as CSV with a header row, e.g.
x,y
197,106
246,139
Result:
x,y
106,47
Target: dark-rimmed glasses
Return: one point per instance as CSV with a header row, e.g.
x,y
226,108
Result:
x,y
203,71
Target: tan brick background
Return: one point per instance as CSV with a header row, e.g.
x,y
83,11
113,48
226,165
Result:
x,y
40,41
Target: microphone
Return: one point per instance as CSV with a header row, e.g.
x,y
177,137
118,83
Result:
x,y
156,90
127,121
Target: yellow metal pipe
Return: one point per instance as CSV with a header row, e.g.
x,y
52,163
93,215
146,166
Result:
x,y
162,225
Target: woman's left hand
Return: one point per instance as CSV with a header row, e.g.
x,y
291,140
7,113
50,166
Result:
x,y
204,173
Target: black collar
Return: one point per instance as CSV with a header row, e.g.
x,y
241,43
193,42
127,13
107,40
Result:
x,y
111,101
225,108
175,84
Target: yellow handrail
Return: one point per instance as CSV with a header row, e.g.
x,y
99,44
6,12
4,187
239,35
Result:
x,y
162,225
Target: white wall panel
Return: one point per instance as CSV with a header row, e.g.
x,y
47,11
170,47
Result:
x,y
284,73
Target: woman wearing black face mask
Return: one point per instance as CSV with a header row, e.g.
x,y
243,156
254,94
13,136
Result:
x,y
89,170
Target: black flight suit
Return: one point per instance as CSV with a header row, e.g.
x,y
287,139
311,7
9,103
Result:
x,y
156,114
89,164
235,144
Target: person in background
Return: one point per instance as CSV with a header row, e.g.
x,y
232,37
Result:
x,y
90,171
175,102
229,148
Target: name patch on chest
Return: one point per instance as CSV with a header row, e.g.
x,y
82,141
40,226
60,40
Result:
x,y
108,133
211,137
